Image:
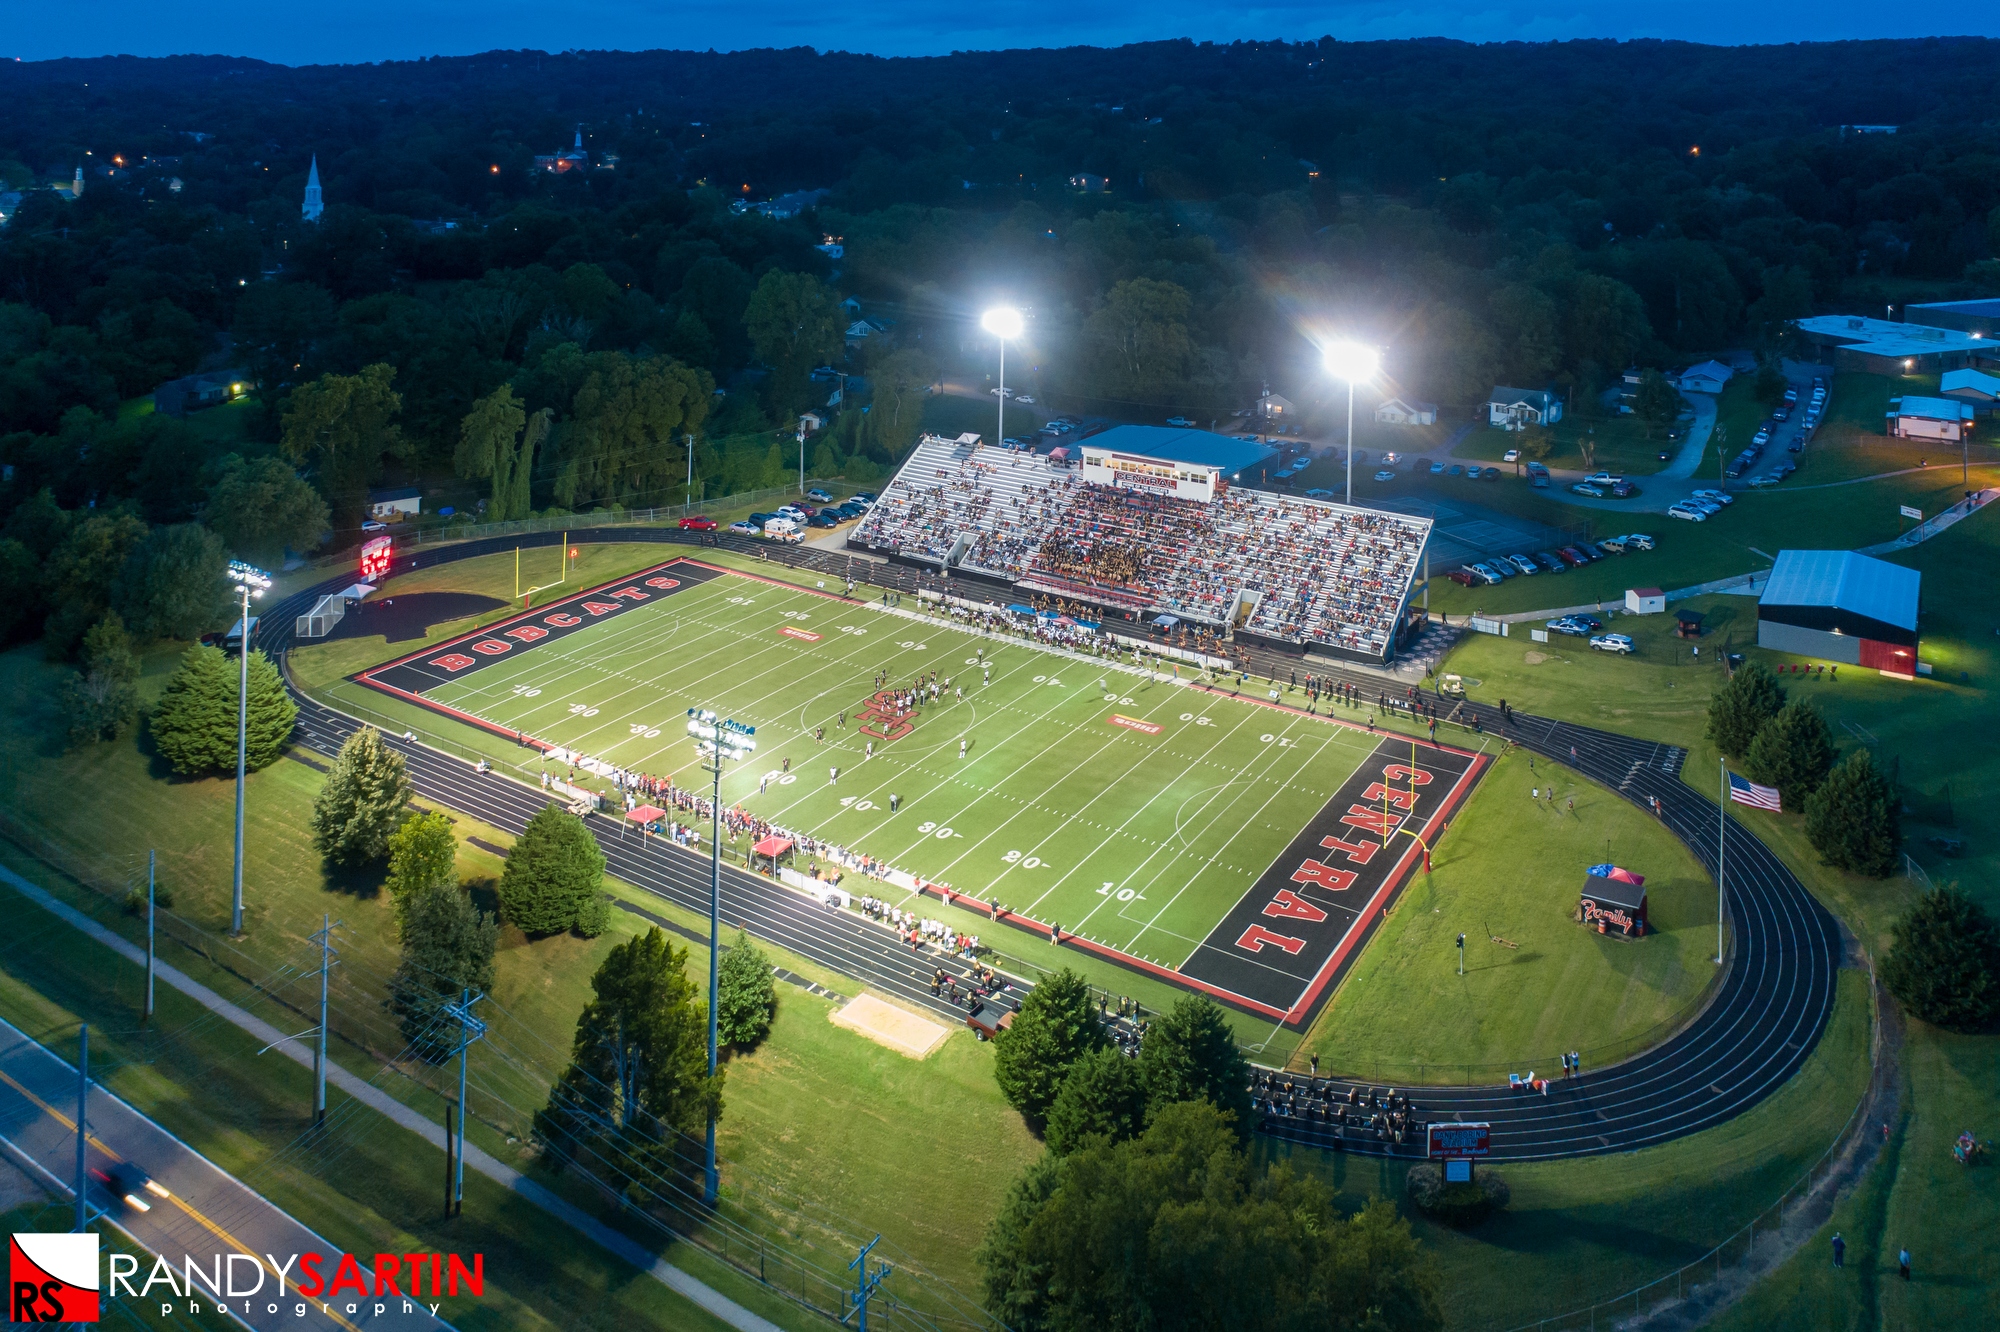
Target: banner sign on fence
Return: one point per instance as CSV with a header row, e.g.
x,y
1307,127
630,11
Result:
x,y
1909,512
1490,626
1539,635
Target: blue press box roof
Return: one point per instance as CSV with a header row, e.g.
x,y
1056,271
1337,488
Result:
x,y
1871,587
1197,448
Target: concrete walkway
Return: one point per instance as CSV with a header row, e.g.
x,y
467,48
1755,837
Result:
x,y
1689,458
628,1250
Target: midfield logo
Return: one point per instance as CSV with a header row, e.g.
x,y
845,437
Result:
x,y
53,1278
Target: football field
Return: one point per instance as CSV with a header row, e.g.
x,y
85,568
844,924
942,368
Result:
x,y
1180,828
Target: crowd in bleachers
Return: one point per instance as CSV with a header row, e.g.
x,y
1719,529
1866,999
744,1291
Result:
x,y
1316,574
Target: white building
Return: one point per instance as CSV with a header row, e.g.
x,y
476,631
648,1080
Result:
x,y
1930,418
390,506
1400,411
1512,408
315,203
1708,377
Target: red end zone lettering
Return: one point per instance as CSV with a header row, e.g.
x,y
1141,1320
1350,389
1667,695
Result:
x,y
1289,903
601,607
527,633
1257,936
631,594
1403,772
562,620
452,661
1357,853
1370,820
1400,799
664,584
492,647
1321,876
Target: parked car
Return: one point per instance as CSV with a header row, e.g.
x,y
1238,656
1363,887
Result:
x,y
824,518
1618,643
1524,564
1025,400
1454,470
1585,488
1590,551
1616,545
1784,468
1638,541
744,529
372,526
758,520
1179,421
1423,464
1782,414
1767,479
865,496
1762,437
1389,459
1385,476
1791,395
1568,626
1436,469
1489,474
1549,562
1692,515
1511,455
1496,571
1624,490
819,495
1466,577
697,524
1606,479
1590,622
1318,493
1721,497
1573,557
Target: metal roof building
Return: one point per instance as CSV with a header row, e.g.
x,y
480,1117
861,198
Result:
x,y
1196,448
1840,606
1883,347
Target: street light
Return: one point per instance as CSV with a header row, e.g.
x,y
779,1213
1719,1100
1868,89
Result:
x,y
250,582
716,739
1352,362
1003,322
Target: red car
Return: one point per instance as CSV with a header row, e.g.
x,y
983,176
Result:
x,y
697,524
1571,556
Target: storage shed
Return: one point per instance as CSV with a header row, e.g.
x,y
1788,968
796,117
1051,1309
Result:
x,y
1840,606
1645,600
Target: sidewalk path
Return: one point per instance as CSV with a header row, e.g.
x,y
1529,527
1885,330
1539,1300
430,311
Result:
x,y
1689,458
376,1099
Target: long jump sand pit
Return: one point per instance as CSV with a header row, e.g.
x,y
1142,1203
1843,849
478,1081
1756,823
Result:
x,y
885,1024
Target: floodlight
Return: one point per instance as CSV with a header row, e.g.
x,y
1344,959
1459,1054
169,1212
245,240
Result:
x,y
1002,321
1352,362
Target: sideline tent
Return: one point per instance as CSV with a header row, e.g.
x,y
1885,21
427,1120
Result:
x,y
772,847
646,815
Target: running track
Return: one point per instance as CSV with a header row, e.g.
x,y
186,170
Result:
x,y
1756,1030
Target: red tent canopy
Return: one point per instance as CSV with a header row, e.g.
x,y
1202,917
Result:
x,y
773,845
646,814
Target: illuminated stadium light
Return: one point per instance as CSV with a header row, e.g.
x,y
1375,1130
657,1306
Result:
x,y
1003,321
1352,362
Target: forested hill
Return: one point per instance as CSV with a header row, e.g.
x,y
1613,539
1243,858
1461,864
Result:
x,y
1180,222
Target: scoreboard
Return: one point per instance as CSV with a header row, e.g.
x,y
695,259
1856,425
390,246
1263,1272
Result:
x,y
375,557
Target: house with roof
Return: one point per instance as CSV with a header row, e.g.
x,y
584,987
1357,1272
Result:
x,y
1841,606
1406,411
1885,347
191,393
393,504
576,159
1975,388
1513,408
1930,418
1708,377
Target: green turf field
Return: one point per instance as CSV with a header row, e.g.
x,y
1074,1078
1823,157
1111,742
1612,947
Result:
x,y
1139,841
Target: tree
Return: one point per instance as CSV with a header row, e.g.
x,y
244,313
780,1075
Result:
x,y
1190,1054
194,724
1657,402
554,877
1855,819
1175,1229
361,802
81,573
1770,384
261,508
423,853
638,1068
498,439
20,587
897,412
344,425
1140,347
1793,752
746,996
1104,1095
173,585
1751,697
448,948
794,324
1057,1026
625,437
102,698
1941,965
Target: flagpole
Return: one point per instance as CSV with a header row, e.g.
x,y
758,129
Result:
x,y
1721,848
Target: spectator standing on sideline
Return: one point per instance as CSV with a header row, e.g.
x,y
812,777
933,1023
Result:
x,y
1839,1250
1903,1263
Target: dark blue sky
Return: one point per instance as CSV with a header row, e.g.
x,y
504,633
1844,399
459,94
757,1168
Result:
x,y
319,31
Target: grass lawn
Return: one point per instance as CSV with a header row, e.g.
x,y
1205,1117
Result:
x,y
1934,733
1583,1230
1617,444
1509,870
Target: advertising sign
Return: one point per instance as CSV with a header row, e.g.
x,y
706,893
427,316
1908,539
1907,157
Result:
x,y
1458,1142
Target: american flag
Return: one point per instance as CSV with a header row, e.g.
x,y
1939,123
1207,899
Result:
x,y
1746,792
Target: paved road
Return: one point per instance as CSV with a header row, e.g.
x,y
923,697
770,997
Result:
x,y
209,1215
1759,1026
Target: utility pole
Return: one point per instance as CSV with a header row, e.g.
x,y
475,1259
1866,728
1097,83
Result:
x,y
83,1124
326,957
470,1029
151,858
864,1285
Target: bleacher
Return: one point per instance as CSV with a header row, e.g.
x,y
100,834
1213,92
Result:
x,y
1313,575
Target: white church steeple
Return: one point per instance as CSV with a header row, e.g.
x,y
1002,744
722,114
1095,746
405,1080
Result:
x,y
314,204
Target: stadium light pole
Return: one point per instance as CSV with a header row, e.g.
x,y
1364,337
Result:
x,y
1003,322
250,582
716,739
1352,362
